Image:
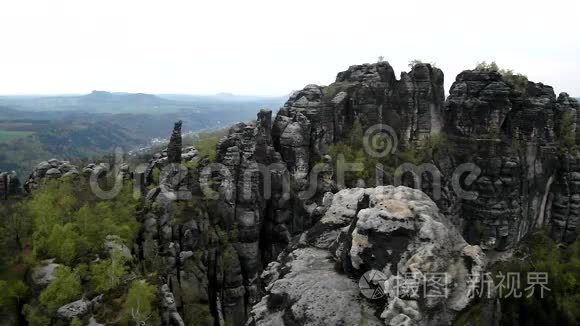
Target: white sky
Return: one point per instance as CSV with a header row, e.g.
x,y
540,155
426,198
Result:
x,y
272,47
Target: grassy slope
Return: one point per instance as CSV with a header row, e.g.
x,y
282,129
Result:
x,y
8,135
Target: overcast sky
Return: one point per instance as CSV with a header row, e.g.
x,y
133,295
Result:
x,y
272,47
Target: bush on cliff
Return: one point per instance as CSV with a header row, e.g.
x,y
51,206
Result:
x,y
566,133
517,80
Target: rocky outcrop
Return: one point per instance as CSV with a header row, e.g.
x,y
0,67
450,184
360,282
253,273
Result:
x,y
564,217
316,117
9,185
174,147
44,274
397,232
51,169
249,165
78,309
513,138
169,314
54,169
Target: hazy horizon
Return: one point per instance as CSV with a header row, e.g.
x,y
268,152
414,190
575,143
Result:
x,y
154,47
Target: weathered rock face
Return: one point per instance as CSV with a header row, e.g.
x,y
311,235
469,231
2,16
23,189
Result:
x,y
513,138
261,216
9,185
44,274
316,116
396,231
78,309
564,217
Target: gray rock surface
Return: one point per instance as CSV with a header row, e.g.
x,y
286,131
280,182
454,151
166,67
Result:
x,y
44,274
395,230
51,169
317,116
514,138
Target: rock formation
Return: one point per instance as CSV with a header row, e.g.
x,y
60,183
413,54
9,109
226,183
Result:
x,y
316,116
9,185
397,232
174,147
54,169
514,139
51,169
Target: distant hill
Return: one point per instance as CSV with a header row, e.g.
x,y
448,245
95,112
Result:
x,y
34,128
107,102
65,139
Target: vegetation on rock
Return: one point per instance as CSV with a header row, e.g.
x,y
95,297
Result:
x,y
517,80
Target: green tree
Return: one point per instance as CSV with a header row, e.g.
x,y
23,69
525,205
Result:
x,y
12,292
139,300
66,287
64,243
415,62
517,80
15,227
106,274
207,142
484,66
558,306
35,316
566,134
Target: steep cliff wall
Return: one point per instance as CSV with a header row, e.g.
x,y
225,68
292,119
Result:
x,y
317,116
515,138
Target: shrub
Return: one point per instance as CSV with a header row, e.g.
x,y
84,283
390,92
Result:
x,y
65,288
484,66
566,134
415,62
139,300
517,80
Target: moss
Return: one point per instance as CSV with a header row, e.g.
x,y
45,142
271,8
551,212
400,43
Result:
x,y
330,91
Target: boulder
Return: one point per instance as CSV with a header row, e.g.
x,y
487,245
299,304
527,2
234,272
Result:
x,y
44,274
76,309
395,231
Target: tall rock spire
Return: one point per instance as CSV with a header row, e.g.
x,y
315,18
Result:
x,y
174,147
